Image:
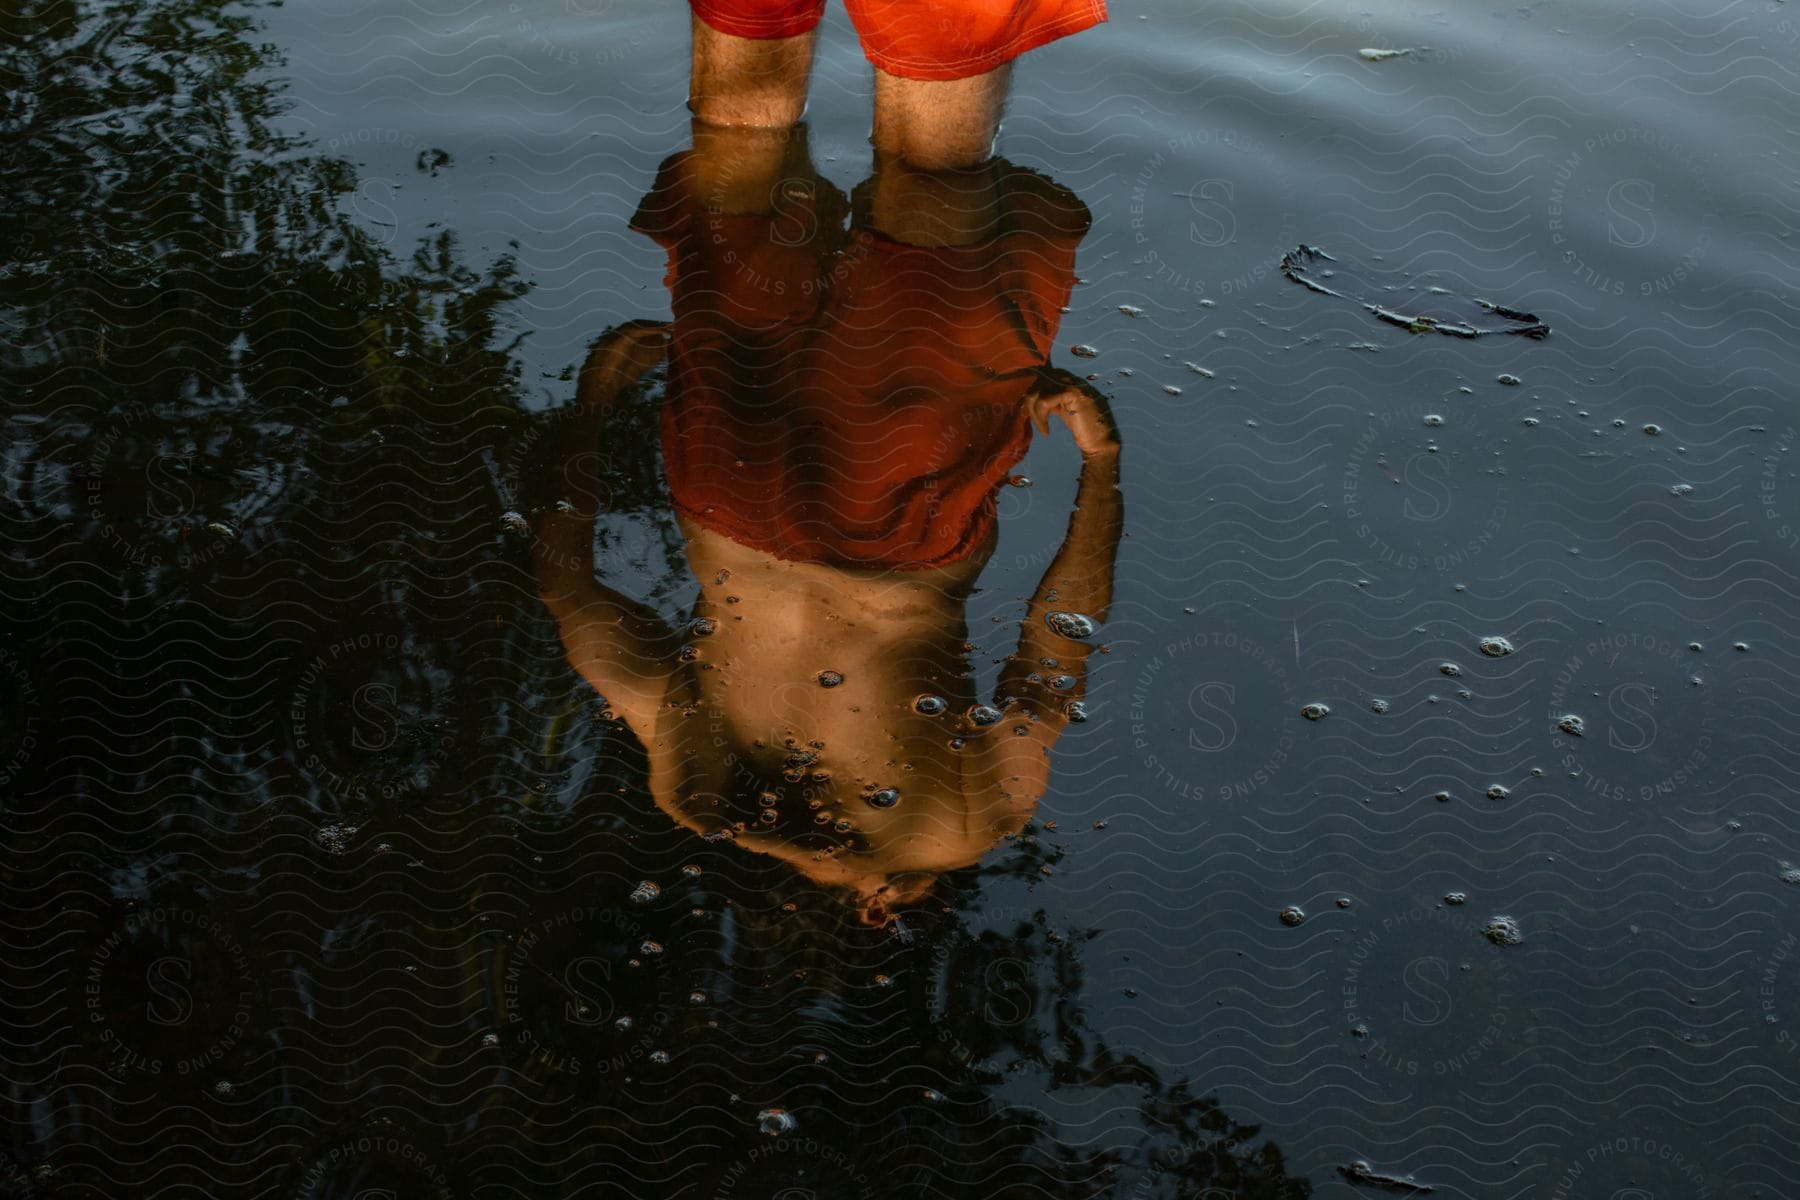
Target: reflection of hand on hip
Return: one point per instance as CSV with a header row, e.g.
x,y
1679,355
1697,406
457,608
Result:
x,y
1081,406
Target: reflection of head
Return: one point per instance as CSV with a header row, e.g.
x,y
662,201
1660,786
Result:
x,y
881,898
876,860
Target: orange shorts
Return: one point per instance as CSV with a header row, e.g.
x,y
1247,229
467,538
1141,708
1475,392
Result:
x,y
918,39
842,398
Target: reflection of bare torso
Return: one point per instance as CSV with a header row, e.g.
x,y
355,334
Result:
x,y
778,625
893,636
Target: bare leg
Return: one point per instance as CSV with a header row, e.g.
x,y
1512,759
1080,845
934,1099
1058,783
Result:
x,y
939,124
748,81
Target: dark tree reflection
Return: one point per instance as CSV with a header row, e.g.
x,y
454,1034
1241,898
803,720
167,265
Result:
x,y
318,859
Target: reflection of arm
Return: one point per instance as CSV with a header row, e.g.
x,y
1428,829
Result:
x,y
1014,769
1079,580
1080,577
1010,765
618,645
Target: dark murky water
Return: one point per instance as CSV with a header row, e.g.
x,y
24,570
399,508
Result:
x,y
356,842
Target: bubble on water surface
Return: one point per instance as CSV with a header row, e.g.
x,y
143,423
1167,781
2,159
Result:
x,y
930,705
830,679
1292,916
1072,625
514,522
1315,712
984,714
1572,725
883,797
1081,350
775,1122
1496,647
1503,931
645,892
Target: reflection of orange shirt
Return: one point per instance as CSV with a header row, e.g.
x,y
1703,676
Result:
x,y
843,398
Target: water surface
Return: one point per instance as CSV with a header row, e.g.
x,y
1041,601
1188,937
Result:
x,y
326,863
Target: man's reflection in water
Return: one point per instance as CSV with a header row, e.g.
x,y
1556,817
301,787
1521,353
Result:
x,y
842,409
